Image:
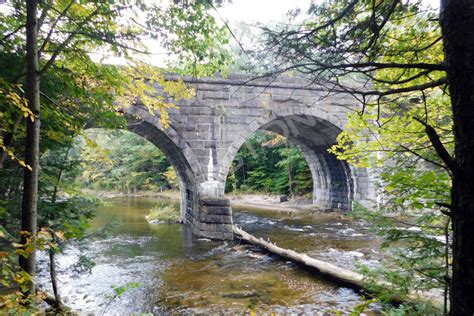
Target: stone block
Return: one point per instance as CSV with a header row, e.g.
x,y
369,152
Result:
x,y
214,227
218,201
216,235
196,110
216,219
216,210
214,202
215,95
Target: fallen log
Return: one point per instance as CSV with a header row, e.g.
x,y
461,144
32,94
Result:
x,y
339,275
342,276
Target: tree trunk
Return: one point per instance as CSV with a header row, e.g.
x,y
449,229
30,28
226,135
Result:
x,y
334,273
457,24
342,276
30,182
60,174
290,176
54,281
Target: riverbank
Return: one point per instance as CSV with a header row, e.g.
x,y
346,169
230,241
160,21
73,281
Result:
x,y
270,202
261,202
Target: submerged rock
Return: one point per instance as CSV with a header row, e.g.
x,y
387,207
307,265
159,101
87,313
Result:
x,y
241,294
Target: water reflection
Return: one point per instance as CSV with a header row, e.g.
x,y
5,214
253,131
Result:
x,y
179,274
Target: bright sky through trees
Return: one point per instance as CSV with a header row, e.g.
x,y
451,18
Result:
x,y
270,10
251,12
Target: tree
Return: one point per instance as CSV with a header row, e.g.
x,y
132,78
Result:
x,y
457,25
121,161
413,188
60,37
267,162
30,182
398,52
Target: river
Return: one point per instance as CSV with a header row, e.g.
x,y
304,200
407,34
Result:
x,y
177,274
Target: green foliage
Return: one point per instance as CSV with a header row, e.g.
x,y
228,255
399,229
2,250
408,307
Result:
x,y
199,43
122,161
163,213
118,291
75,90
171,178
369,41
420,309
266,163
359,309
14,282
417,248
414,186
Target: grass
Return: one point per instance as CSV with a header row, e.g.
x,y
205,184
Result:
x,y
163,212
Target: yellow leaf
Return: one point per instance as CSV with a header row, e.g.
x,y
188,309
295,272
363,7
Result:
x,y
44,234
17,245
60,235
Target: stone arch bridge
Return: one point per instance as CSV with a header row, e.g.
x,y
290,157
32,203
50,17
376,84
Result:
x,y
206,132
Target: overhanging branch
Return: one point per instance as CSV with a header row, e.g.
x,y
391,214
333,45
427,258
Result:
x,y
438,146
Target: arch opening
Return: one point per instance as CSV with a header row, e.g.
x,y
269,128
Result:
x,y
334,184
270,163
174,158
187,181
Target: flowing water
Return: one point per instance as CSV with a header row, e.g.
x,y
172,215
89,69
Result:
x,y
176,273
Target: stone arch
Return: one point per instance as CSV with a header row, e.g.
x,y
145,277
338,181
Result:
x,y
178,153
313,131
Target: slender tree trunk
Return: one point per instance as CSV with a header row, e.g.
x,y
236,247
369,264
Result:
x,y
53,274
290,176
60,174
457,23
30,182
58,304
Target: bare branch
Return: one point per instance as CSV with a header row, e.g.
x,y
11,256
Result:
x,y
6,36
341,15
439,147
424,158
53,26
67,41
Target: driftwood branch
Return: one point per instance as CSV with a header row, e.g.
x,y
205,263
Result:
x,y
342,276
338,275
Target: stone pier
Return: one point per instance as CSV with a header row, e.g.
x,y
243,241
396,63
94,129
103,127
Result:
x,y
215,219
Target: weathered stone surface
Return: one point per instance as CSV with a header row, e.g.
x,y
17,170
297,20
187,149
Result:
x,y
220,219
214,201
216,210
206,132
215,227
216,235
